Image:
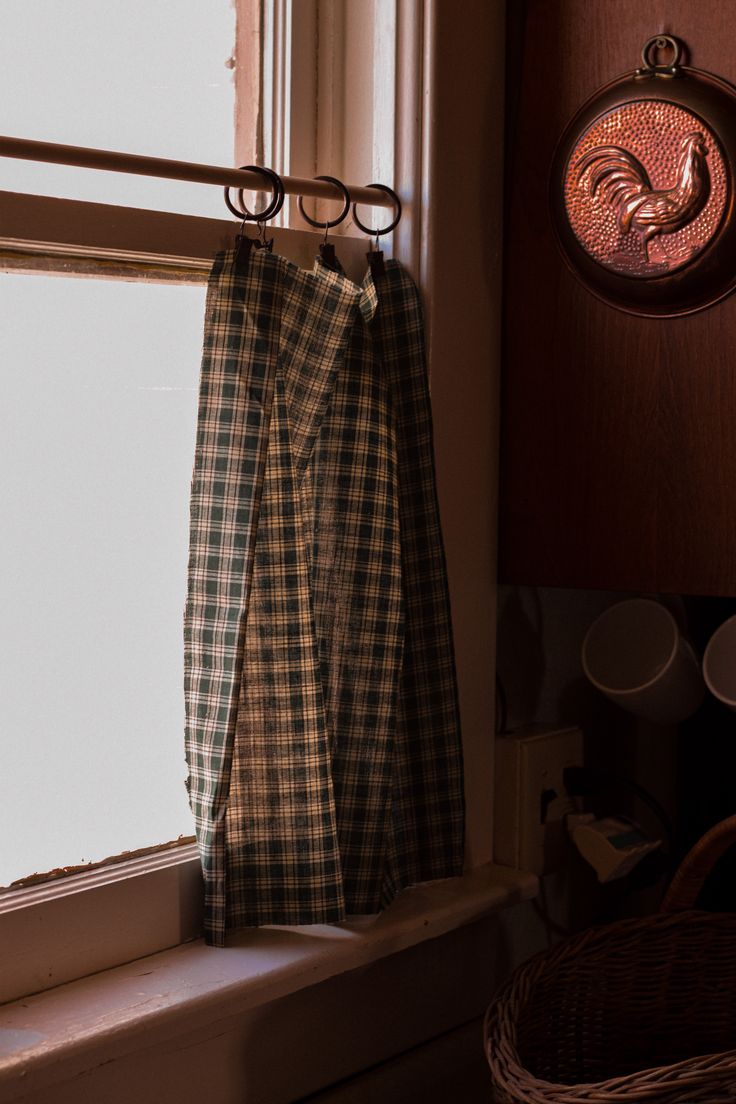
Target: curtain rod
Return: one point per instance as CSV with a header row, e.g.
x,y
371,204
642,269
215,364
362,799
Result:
x,y
82,157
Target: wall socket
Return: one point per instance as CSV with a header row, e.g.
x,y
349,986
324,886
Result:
x,y
530,799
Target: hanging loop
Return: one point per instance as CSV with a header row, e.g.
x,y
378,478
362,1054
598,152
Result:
x,y
330,222
650,66
385,229
271,210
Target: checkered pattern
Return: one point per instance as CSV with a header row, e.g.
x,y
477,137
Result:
x,y
322,727
427,817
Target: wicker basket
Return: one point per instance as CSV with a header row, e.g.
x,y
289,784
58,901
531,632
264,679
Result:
x,y
641,1010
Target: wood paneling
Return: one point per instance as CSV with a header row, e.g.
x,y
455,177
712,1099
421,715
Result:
x,y
618,433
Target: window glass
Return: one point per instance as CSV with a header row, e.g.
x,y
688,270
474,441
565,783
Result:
x,y
140,76
97,425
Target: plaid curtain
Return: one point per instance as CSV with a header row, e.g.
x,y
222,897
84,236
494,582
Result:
x,y
322,731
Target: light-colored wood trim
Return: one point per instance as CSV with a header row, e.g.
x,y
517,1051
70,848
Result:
x,y
460,191
411,103
302,92
331,76
385,78
186,990
275,92
123,242
248,74
359,48
66,929
44,224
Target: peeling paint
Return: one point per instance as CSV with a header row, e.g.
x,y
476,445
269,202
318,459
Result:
x,y
64,871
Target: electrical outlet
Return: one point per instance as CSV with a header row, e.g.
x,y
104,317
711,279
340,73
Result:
x,y
530,799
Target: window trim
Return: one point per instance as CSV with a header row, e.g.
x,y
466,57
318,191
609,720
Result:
x,y
177,1000
77,238
80,924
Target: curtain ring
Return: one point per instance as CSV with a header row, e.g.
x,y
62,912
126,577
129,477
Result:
x,y
330,222
386,229
271,210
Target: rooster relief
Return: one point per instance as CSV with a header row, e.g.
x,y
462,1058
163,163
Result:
x,y
621,183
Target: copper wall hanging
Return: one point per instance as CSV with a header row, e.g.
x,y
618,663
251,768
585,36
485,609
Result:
x,y
642,188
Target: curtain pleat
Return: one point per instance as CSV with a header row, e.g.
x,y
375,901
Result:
x,y
322,738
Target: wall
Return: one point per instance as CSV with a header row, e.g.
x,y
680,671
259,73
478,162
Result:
x,y
688,768
540,636
618,453
618,456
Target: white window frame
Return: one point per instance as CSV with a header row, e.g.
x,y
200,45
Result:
x,y
97,919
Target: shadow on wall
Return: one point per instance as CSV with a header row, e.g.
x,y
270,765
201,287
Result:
x,y
540,636
690,769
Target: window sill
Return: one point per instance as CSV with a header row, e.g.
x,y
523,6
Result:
x,y
58,1035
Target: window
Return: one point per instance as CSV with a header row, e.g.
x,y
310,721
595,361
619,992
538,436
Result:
x,y
98,425
101,293
100,402
144,77
120,912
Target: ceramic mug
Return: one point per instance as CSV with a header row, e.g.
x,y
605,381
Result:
x,y
635,654
719,663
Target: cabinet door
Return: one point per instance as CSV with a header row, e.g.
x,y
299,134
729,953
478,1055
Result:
x,y
618,466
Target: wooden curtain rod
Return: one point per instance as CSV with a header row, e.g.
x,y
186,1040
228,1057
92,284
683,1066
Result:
x,y
84,158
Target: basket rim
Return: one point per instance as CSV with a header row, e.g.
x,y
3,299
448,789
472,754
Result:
x,y
652,1083
719,1069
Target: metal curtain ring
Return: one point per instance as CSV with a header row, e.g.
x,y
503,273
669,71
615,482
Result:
x,y
271,210
331,222
386,229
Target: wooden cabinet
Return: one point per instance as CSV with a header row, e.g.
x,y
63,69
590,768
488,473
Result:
x,y
618,433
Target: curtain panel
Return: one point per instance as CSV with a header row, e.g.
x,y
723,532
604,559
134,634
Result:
x,y
322,727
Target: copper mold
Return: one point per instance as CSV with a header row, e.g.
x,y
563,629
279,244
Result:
x,y
642,190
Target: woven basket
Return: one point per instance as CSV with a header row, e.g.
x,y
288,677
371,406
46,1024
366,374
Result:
x,y
641,1010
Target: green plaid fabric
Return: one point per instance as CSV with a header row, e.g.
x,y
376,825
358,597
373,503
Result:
x,y
322,738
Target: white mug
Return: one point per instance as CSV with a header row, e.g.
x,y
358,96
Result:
x,y
719,663
635,654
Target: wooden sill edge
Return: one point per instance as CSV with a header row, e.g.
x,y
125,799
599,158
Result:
x,y
57,1035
